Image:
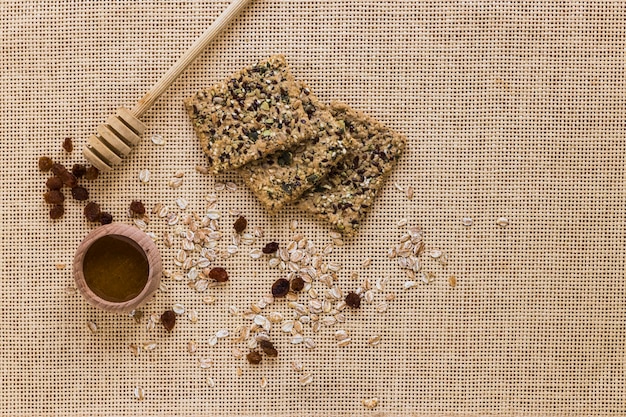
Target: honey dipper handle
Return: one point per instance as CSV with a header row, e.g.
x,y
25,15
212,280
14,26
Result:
x,y
192,53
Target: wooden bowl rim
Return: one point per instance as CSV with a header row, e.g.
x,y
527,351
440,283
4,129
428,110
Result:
x,y
144,242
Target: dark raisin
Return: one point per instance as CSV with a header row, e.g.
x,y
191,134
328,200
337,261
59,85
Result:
x,y
268,348
105,218
240,224
68,145
168,319
80,193
45,163
137,207
270,247
54,197
56,212
280,288
58,169
285,158
92,173
254,357
353,300
68,179
54,183
297,284
79,170
92,211
218,274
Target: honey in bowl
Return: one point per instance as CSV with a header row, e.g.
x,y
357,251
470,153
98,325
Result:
x,y
115,268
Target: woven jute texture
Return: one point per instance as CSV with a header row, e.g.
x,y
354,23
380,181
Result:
x,y
511,109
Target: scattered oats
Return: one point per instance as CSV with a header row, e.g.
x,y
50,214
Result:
x,y
231,186
287,326
149,346
297,365
93,327
201,285
502,222
205,362
297,339
179,174
258,231
374,340
71,290
222,333
210,382
329,320
398,186
192,347
134,349
182,203
344,342
163,211
424,278
139,393
436,254
341,334
144,176
382,307
212,341
202,169
390,297
335,235
140,224
452,280
293,226
158,139
263,382
256,253
59,265
340,317
193,316
369,296
178,308
276,317
213,214
409,284
402,222
233,310
175,182
239,371
309,343
315,327
338,242
366,262
370,403
237,353
209,299
467,221
220,186
306,379
163,287
409,192
172,219
177,276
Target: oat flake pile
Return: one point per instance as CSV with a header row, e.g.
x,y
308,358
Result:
x,y
487,279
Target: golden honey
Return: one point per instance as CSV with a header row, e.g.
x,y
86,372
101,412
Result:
x,y
115,268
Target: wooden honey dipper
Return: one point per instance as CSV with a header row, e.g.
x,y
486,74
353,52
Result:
x,y
115,138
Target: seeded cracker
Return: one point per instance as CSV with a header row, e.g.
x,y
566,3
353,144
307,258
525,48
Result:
x,y
252,114
345,196
282,177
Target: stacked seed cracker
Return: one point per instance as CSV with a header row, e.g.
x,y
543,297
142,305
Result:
x,y
292,149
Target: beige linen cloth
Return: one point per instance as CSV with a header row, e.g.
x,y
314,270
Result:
x,y
511,109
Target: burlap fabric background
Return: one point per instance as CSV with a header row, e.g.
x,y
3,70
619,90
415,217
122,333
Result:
x,y
511,110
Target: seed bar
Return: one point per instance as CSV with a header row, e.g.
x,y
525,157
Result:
x,y
282,177
345,196
252,114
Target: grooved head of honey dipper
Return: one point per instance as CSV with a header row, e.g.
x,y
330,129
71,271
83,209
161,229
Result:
x,y
114,140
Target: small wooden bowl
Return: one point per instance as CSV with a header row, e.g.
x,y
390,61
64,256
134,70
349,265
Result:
x,y
152,255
